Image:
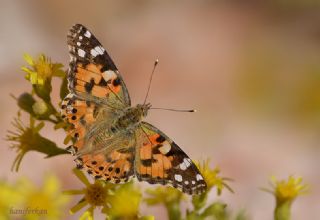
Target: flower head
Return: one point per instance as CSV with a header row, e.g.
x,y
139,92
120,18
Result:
x,y
163,195
124,202
212,178
40,107
24,200
287,190
168,196
27,138
118,201
47,199
41,69
9,198
94,195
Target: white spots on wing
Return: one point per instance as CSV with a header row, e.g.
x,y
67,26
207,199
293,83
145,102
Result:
x,y
96,51
193,182
78,44
87,34
80,38
81,52
178,177
186,182
93,52
79,30
165,148
185,164
108,75
199,177
99,49
72,58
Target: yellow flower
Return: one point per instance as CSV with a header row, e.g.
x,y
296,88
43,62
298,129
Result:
x,y
46,201
124,203
212,178
27,138
118,201
24,200
23,139
94,195
287,190
163,195
9,198
41,69
168,196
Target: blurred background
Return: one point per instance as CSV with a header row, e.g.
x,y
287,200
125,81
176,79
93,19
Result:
x,y
250,68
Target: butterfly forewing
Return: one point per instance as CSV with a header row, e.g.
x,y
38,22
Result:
x,y
160,160
92,73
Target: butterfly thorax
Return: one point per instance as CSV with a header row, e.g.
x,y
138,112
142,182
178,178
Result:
x,y
130,117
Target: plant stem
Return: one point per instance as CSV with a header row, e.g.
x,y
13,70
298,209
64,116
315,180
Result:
x,y
282,210
173,210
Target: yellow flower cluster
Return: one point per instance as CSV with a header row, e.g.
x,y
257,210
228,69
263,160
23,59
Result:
x,y
41,69
24,200
288,190
212,178
117,201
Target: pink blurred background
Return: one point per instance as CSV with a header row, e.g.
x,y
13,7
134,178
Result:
x,y
251,69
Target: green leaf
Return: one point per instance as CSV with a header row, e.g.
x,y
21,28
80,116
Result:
x,y
217,209
199,201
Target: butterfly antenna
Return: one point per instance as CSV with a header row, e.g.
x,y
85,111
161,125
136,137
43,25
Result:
x,y
176,110
154,67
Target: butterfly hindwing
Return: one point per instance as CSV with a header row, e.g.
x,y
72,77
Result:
x,y
111,165
81,115
115,166
92,73
160,160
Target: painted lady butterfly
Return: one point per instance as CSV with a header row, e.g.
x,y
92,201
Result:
x,y
111,142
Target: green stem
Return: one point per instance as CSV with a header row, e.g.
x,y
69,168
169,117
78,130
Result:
x,y
173,210
282,210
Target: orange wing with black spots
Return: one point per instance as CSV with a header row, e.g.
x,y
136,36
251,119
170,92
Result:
x,y
160,160
115,166
97,93
81,115
92,74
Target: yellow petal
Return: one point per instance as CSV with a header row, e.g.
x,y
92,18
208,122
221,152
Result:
x,y
87,215
28,59
81,177
78,206
74,192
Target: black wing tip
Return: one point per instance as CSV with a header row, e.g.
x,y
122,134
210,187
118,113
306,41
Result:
x,y
75,30
77,26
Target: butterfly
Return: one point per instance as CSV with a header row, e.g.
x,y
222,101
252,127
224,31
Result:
x,y
111,140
